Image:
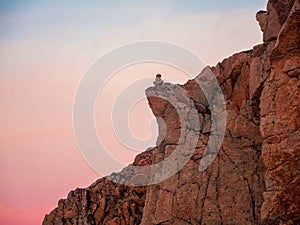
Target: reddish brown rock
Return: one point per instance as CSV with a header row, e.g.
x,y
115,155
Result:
x,y
273,19
104,202
255,178
210,197
280,126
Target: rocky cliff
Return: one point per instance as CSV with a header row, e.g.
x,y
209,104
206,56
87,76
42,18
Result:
x,y
255,177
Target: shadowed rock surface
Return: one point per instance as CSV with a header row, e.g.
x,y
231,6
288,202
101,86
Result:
x,y
255,177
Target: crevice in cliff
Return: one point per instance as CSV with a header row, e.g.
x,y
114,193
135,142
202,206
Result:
x,y
217,189
208,176
255,104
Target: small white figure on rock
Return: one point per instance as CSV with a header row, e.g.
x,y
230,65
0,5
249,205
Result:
x,y
158,80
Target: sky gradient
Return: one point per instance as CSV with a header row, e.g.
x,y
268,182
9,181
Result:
x,y
45,49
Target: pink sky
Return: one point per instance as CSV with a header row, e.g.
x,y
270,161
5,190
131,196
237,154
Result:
x,y
39,74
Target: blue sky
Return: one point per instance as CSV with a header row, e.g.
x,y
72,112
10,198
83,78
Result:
x,y
19,19
187,6
36,29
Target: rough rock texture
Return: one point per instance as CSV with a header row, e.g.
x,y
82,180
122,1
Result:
x,y
255,178
230,190
104,202
280,123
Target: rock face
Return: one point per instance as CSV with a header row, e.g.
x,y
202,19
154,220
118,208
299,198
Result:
x,y
210,197
280,116
255,177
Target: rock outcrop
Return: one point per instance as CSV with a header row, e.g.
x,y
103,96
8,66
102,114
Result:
x,y
255,178
280,116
